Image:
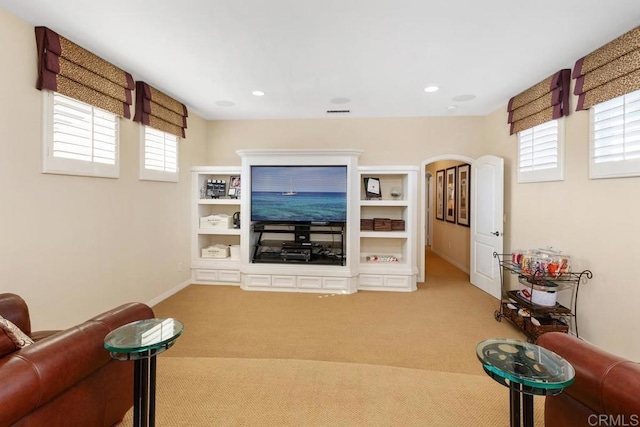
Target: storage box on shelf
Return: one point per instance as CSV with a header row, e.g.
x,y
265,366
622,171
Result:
x,y
215,230
534,307
387,229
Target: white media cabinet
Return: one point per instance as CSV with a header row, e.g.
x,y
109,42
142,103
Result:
x,y
373,259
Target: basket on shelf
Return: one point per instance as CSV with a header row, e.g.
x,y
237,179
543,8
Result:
x,y
366,224
547,324
381,224
512,314
397,225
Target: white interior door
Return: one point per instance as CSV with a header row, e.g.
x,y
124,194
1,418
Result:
x,y
428,198
487,212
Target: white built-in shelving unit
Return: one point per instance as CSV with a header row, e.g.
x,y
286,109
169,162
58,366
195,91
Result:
x,y
357,272
213,270
399,274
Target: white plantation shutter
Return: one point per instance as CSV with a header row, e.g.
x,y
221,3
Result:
x,y
615,141
540,153
80,139
160,154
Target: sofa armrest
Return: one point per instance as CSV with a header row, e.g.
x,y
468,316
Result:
x,y
123,314
38,335
13,308
604,382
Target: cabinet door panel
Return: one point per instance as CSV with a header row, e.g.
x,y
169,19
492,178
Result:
x,y
396,281
229,276
206,275
371,280
283,281
309,282
258,280
334,282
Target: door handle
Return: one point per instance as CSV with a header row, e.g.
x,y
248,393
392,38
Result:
x,y
496,233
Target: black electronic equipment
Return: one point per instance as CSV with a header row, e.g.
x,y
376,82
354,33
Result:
x,y
297,254
302,233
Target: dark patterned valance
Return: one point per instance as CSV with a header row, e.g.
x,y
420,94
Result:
x,y
155,109
546,101
71,70
608,72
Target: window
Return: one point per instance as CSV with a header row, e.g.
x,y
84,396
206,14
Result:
x,y
615,137
541,152
79,139
158,155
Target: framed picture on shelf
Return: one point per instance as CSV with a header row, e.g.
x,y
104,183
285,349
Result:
x,y
372,188
464,180
440,195
234,186
450,197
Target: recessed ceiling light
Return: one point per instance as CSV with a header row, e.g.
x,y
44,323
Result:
x,y
340,101
452,108
258,93
430,89
225,103
462,98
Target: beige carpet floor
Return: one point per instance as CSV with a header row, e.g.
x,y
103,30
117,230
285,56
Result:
x,y
264,392
319,360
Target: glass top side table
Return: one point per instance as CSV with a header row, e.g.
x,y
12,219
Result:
x,y
142,341
527,369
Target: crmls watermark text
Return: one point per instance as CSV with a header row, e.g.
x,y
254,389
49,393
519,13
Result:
x,y
601,420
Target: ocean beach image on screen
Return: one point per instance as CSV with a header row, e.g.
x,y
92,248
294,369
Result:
x,y
299,193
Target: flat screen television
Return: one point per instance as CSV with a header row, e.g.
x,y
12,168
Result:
x,y
299,194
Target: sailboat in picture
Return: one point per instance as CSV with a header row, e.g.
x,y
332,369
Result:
x,y
290,192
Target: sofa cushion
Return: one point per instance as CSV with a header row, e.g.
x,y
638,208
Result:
x,y
19,338
6,344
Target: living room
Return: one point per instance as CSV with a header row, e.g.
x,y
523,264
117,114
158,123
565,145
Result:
x,y
76,246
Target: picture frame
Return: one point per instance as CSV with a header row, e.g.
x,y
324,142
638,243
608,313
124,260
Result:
x,y
234,186
440,195
450,195
463,207
372,188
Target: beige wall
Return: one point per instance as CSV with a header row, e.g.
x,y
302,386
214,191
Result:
x,y
594,221
449,240
74,246
385,141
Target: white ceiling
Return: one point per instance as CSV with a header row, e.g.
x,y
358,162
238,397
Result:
x,y
379,54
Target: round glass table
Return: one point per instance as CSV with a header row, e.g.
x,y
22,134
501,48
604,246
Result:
x,y
142,341
528,370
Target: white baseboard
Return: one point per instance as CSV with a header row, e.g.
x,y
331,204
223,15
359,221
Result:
x,y
170,292
453,262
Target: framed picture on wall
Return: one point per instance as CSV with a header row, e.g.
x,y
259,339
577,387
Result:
x,y
440,195
450,195
463,207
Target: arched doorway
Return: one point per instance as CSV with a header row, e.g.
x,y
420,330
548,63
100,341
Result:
x,y
486,225
423,206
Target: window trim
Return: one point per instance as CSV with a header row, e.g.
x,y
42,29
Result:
x,y
63,166
607,170
156,175
545,175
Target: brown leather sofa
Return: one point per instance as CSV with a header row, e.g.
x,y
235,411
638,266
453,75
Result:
x,y
65,378
606,390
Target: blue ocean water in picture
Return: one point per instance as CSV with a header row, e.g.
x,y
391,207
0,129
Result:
x,y
301,206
